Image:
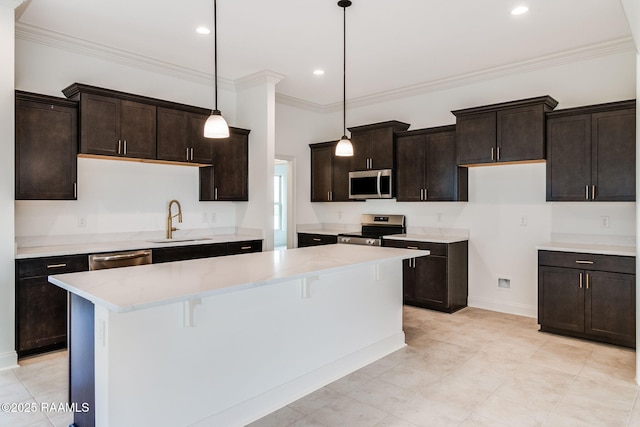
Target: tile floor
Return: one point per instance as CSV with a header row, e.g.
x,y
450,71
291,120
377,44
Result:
x,y
470,368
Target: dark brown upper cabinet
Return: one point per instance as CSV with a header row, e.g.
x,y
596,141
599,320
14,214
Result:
x,y
329,173
46,144
503,133
114,123
227,179
591,153
181,136
373,145
426,168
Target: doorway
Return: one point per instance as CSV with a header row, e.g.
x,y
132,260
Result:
x,y
283,194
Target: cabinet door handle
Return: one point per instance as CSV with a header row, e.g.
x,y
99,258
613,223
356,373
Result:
x,y
587,280
580,280
315,239
586,192
192,154
75,190
581,261
593,192
244,248
498,156
412,247
426,194
119,146
491,153
56,265
215,193
125,146
186,153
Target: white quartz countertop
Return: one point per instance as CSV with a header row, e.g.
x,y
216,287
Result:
x,y
429,238
125,245
588,248
329,231
146,286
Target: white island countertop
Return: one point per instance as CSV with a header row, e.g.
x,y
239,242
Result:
x,y
146,286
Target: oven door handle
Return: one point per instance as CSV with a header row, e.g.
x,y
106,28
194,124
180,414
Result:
x,y
378,183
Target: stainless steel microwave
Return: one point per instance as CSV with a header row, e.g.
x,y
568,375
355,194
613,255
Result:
x,y
371,184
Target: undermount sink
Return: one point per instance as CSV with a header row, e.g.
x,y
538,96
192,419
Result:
x,y
185,239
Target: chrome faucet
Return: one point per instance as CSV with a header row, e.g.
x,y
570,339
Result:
x,y
170,227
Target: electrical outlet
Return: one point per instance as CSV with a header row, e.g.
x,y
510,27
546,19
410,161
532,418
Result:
x,y
523,220
604,222
82,221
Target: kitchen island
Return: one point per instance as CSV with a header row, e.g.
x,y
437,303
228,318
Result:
x,y
225,341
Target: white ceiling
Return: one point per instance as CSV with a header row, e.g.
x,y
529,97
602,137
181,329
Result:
x,y
390,44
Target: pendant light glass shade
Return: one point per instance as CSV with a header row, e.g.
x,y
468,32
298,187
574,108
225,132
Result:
x,y
344,147
216,126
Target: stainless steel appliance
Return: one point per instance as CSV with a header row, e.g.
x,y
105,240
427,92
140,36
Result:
x,y
371,184
119,259
374,228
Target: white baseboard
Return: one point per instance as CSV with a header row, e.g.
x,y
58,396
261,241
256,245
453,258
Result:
x,y
504,307
266,403
8,360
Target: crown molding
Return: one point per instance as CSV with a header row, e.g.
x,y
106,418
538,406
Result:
x,y
259,78
79,46
12,4
72,44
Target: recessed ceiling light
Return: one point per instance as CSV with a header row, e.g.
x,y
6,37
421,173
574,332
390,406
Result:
x,y
520,10
318,72
203,30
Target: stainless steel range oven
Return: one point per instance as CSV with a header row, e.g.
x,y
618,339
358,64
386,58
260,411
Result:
x,y
374,228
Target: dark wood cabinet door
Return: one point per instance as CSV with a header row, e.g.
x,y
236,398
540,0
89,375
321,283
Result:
x,y
202,147
180,253
228,178
431,282
569,158
613,155
410,171
138,129
41,314
244,247
408,282
373,149
561,298
520,134
173,135
321,173
99,125
476,138
340,168
312,239
610,309
441,171
46,145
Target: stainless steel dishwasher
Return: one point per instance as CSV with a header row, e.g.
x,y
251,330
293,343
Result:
x,y
119,259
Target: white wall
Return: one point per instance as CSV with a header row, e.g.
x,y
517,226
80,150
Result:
x,y
8,355
499,196
115,196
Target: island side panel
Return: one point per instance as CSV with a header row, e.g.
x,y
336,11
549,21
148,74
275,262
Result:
x,y
81,360
248,352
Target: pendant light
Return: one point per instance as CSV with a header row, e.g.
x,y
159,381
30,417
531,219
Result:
x,y
215,126
344,147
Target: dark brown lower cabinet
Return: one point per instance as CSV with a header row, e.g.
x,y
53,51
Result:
x,y
438,281
587,296
181,253
41,307
312,239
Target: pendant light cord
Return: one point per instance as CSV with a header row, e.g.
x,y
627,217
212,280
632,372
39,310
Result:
x,y
215,55
344,72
